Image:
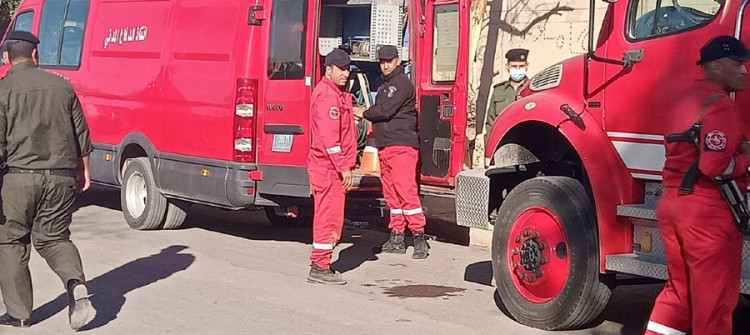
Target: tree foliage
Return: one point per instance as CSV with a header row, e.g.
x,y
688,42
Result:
x,y
7,8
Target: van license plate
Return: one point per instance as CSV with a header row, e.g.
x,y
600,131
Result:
x,y
282,142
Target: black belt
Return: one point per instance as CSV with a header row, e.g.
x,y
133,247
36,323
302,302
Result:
x,y
53,172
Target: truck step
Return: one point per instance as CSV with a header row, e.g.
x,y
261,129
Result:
x,y
637,211
654,267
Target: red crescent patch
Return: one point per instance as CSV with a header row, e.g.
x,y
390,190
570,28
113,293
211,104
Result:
x,y
716,140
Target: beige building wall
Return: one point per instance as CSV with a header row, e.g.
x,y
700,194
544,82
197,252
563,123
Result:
x,y
552,30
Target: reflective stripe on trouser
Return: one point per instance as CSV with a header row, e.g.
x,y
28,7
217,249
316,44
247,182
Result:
x,y
398,173
704,254
38,209
328,221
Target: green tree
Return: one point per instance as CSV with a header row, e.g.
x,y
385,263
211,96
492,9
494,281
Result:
x,y
7,8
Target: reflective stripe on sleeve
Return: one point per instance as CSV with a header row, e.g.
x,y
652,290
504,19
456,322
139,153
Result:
x,y
662,329
333,150
323,246
414,211
730,168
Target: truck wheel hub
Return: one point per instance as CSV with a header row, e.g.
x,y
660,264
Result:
x,y
531,255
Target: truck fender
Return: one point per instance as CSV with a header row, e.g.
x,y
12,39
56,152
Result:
x,y
138,140
611,183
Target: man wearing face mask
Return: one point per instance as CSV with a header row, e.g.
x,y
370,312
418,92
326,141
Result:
x,y
504,93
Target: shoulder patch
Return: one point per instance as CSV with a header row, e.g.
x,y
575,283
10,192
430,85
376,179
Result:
x,y
392,91
334,113
716,140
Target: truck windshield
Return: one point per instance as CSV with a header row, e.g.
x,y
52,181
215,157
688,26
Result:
x,y
673,16
286,58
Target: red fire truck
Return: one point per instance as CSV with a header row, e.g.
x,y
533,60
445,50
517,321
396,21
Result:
x,y
207,102
574,165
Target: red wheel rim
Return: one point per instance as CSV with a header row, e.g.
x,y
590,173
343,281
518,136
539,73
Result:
x,y
538,256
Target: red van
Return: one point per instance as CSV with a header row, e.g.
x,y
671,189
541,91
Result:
x,y
208,101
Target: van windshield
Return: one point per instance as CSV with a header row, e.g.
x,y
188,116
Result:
x,y
286,58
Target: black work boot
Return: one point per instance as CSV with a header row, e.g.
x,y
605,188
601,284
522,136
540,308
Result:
x,y
395,244
7,320
420,246
324,276
79,306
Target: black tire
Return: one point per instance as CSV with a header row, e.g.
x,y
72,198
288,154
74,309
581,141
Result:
x,y
142,204
176,214
303,219
581,296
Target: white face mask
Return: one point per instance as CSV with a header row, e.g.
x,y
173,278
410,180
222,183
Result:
x,y
517,74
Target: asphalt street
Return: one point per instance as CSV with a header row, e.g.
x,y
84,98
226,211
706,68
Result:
x,y
235,273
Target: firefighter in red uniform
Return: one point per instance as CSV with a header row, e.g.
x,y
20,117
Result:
x,y
330,163
701,238
394,121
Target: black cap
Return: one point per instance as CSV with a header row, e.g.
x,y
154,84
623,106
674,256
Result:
x,y
517,55
724,46
338,57
387,52
19,35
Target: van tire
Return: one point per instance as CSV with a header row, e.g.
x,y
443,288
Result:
x,y
142,204
541,213
176,214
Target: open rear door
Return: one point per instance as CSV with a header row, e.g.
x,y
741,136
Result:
x,y
441,72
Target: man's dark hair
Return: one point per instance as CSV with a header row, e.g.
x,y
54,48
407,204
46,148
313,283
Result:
x,y
19,49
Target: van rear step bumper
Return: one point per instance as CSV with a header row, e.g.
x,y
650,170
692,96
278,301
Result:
x,y
654,268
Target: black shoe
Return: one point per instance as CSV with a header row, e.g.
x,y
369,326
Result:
x,y
79,306
324,276
395,244
7,320
420,246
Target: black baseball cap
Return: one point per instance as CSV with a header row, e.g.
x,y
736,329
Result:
x,y
20,35
517,55
339,58
724,46
387,52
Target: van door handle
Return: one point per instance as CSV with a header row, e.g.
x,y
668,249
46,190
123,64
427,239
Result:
x,y
256,15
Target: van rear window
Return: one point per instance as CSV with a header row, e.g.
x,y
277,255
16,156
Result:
x,y
61,32
286,53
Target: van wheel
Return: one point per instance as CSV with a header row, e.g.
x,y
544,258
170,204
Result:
x,y
143,205
176,214
275,215
545,255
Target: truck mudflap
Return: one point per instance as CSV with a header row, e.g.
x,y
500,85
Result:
x,y
472,199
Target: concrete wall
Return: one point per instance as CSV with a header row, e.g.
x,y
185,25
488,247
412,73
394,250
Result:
x,y
552,30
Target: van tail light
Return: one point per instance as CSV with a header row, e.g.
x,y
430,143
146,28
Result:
x,y
244,120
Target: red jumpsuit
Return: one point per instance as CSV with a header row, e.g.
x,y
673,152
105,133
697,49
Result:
x,y
702,242
333,151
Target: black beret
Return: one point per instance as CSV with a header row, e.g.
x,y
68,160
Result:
x,y
338,57
20,35
387,52
517,55
724,46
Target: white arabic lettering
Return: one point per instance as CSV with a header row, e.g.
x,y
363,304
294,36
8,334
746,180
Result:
x,y
127,34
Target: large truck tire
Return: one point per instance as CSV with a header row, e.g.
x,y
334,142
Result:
x,y
142,204
545,255
176,214
304,217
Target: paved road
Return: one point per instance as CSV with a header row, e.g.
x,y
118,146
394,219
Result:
x,y
234,273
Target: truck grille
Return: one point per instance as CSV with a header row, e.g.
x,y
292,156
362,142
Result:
x,y
548,78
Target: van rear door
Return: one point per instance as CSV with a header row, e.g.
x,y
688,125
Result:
x,y
283,113
441,71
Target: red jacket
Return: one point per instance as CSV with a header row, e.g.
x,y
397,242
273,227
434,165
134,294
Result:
x,y
334,138
722,133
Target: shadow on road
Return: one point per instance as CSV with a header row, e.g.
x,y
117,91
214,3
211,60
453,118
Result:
x,y
109,290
